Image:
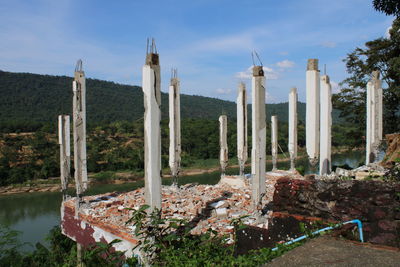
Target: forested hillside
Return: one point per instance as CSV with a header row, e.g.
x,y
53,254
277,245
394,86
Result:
x,y
30,100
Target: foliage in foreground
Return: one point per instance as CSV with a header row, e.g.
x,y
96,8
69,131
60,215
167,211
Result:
x,y
60,252
168,242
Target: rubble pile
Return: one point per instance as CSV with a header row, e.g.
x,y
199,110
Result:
x,y
203,206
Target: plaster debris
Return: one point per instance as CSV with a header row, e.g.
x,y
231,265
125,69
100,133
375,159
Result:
x,y
204,206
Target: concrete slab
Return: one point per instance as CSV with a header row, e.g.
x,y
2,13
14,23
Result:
x,y
328,251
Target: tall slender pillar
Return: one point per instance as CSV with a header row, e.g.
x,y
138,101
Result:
x,y
374,117
79,123
293,127
241,110
174,127
64,141
325,163
151,81
79,133
258,134
312,110
274,141
223,144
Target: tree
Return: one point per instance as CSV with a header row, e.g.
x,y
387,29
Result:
x,y
382,54
389,7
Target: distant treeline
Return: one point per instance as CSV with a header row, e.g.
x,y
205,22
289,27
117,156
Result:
x,y
32,102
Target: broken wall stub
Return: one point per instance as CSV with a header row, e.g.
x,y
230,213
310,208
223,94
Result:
x,y
258,135
64,140
325,163
241,110
292,146
312,110
174,127
151,81
79,131
223,136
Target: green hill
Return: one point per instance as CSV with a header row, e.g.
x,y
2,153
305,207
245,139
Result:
x,y
31,99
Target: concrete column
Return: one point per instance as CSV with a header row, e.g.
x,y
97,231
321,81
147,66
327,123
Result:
x,y
374,117
79,123
151,81
293,127
64,141
258,135
312,110
174,127
274,141
223,144
241,110
325,163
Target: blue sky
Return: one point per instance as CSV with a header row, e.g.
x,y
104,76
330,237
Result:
x,y
209,41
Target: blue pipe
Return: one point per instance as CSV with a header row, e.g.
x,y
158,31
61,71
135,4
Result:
x,y
359,226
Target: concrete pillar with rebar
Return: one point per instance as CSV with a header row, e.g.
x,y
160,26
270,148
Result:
x,y
223,144
274,141
241,110
258,134
151,81
64,140
312,110
174,127
292,148
325,163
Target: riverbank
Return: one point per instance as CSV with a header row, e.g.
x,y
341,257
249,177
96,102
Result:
x,y
118,177
196,167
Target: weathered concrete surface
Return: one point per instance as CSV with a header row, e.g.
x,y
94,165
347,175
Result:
x,y
64,140
325,163
328,251
312,109
79,123
292,146
258,134
151,82
174,127
274,141
374,117
223,142
241,112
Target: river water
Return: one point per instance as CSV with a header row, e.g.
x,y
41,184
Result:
x,y
35,214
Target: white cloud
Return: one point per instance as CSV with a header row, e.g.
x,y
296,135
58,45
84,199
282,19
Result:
x,y
335,87
387,32
328,44
269,73
285,64
222,91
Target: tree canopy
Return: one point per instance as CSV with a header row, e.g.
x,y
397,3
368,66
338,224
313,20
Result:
x,y
382,54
